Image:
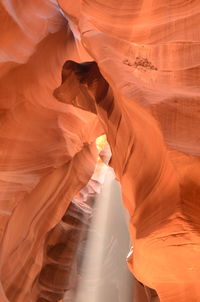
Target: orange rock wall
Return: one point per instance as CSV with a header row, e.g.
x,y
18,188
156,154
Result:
x,y
142,92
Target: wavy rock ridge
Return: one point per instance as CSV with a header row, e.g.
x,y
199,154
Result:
x,y
71,72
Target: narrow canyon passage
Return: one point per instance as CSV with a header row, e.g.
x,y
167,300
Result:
x,y
90,86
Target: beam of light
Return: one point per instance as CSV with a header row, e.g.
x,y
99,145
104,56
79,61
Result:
x,y
104,274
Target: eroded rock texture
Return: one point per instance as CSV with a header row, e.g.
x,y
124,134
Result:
x,y
70,72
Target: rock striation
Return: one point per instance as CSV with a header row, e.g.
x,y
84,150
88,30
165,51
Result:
x,y
70,72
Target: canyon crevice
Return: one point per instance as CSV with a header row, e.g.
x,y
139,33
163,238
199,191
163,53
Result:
x,y
71,74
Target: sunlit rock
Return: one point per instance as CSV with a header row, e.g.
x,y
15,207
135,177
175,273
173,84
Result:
x,y
72,71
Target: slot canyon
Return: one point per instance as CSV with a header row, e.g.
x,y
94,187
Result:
x,y
99,151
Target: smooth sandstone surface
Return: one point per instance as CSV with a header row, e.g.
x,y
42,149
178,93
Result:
x,y
71,71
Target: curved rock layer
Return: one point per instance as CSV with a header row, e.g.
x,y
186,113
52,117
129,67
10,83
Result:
x,y
71,71
59,273
63,249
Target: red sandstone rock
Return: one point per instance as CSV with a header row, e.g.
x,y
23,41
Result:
x,y
143,92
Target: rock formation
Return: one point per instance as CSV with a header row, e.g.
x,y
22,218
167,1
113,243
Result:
x,y
70,72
